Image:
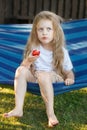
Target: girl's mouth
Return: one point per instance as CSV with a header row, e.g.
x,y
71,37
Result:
x,y
44,38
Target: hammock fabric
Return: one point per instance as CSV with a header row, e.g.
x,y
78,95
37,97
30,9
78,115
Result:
x,y
13,39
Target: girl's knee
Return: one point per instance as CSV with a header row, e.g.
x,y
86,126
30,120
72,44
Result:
x,y
21,70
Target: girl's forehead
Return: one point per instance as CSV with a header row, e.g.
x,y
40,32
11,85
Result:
x,y
45,22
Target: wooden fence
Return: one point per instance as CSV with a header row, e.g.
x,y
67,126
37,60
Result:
x,y
23,11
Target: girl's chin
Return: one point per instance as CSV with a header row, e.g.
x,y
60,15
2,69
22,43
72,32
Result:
x,y
45,42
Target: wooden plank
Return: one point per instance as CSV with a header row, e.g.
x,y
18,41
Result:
x,y
31,9
67,8
39,6
81,13
61,8
24,7
46,5
16,7
8,8
75,4
54,5
85,8
1,11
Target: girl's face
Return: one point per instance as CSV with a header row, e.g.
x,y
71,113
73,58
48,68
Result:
x,y
45,31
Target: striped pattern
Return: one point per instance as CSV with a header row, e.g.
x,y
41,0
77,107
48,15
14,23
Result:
x,y
12,43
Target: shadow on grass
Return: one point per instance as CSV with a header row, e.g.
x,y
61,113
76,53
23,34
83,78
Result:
x,y
70,108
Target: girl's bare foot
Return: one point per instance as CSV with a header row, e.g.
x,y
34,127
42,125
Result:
x,y
13,113
53,121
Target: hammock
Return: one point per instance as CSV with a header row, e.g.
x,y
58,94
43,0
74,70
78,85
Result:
x,y
13,39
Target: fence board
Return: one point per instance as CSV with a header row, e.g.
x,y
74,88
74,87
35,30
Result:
x,y
54,6
1,12
75,10
81,9
67,12
24,7
7,8
38,6
46,4
31,9
61,8
16,7
86,8
27,9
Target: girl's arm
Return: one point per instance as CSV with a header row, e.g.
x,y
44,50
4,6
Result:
x,y
28,61
31,58
69,77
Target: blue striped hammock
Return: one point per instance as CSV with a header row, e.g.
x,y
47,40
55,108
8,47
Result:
x,y
13,39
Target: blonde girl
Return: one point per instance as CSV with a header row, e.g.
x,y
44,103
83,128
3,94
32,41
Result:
x,y
52,65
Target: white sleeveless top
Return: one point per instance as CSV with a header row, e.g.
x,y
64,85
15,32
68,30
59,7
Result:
x,y
44,62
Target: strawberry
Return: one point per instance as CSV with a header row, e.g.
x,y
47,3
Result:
x,y
35,53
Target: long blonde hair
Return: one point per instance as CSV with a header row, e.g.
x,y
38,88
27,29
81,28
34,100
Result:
x,y
58,42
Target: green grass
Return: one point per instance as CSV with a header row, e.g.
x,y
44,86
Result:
x,y
70,108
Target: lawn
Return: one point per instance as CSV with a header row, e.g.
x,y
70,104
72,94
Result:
x,y
70,108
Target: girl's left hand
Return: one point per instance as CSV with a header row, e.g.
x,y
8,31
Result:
x,y
69,81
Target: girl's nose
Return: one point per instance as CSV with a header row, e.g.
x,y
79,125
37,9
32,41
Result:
x,y
44,31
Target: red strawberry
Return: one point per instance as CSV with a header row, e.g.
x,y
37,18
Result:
x,y
35,53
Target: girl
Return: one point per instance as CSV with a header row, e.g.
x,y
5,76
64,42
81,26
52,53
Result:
x,y
51,64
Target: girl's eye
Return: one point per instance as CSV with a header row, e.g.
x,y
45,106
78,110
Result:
x,y
40,29
48,29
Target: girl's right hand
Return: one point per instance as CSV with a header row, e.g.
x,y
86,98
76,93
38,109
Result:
x,y
33,55
29,60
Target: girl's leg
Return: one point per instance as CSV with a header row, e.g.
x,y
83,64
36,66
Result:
x,y
22,75
47,93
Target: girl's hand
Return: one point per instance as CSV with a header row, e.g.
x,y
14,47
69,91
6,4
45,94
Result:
x,y
33,56
29,60
69,81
